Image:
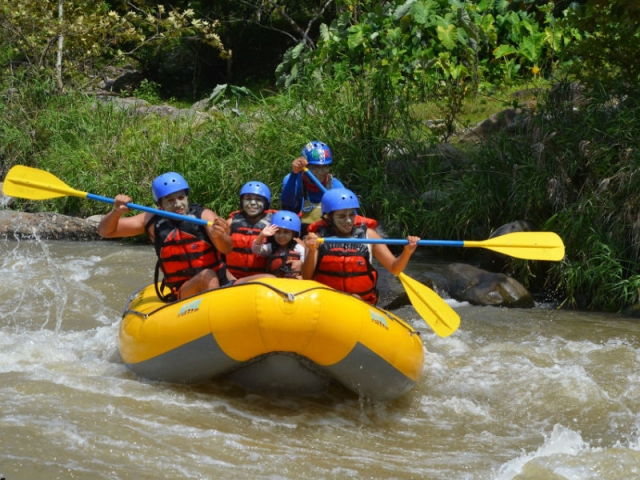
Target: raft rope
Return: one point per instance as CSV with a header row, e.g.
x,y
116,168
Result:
x,y
171,297
286,296
290,298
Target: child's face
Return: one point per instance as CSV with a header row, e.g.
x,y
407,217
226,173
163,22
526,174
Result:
x,y
252,205
283,236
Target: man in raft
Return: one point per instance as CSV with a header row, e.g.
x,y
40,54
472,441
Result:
x,y
347,266
299,193
190,255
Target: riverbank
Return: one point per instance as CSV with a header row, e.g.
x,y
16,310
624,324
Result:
x,y
549,166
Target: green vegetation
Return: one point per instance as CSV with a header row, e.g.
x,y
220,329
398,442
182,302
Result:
x,y
389,86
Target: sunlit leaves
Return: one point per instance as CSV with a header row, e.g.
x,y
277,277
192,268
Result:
x,y
447,35
93,35
504,50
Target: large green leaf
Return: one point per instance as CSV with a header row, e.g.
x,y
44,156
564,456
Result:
x,y
504,50
531,47
356,37
324,33
403,9
423,12
448,35
297,50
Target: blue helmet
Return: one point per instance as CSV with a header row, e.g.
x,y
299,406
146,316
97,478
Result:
x,y
317,153
286,219
338,199
256,188
168,183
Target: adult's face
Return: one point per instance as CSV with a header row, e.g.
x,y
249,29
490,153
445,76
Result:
x,y
344,220
177,202
321,172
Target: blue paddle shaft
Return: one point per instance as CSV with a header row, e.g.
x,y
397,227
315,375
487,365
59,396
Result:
x,y
162,213
391,241
315,180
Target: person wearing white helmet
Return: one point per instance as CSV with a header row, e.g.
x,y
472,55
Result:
x,y
278,242
302,195
348,266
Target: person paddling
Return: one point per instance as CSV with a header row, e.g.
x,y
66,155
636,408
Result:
x,y
348,266
245,225
277,242
189,255
300,194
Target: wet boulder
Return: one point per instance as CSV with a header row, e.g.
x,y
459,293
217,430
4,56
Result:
x,y
47,226
466,283
497,262
391,293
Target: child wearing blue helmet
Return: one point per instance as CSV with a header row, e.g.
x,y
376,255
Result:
x,y
277,242
246,224
348,266
302,195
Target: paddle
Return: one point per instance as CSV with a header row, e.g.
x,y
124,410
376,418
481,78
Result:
x,y
526,245
314,179
35,184
430,306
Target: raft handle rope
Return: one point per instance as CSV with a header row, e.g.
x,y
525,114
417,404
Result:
x,y
290,298
135,312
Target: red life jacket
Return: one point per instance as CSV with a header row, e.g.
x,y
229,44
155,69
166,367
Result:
x,y
184,249
347,266
241,261
277,262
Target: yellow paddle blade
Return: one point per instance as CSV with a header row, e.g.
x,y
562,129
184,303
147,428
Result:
x,y
35,184
431,307
527,245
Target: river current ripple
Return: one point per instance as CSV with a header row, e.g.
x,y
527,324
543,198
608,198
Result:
x,y
513,394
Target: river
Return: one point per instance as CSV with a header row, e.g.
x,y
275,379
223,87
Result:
x,y
513,394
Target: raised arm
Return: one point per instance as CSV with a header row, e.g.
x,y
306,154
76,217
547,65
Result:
x,y
382,253
219,232
291,196
258,246
114,225
310,256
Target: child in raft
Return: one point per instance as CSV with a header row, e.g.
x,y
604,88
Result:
x,y
278,243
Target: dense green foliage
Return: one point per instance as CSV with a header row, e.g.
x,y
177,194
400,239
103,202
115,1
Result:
x,y
356,81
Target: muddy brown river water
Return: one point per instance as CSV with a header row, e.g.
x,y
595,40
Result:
x,y
513,394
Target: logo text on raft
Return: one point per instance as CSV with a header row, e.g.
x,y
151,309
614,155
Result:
x,y
189,308
378,319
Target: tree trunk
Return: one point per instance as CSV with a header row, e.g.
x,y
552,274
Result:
x,y
60,45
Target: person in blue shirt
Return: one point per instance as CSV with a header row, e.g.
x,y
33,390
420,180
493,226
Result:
x,y
299,193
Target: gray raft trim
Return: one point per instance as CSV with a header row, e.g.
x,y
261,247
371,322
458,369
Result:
x,y
362,371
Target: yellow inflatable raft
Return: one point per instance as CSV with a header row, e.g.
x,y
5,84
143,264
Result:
x,y
281,335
